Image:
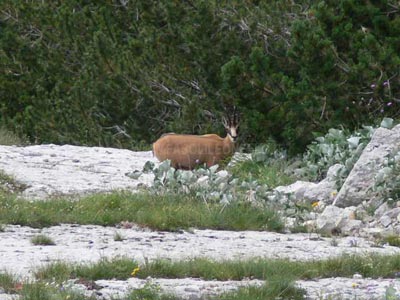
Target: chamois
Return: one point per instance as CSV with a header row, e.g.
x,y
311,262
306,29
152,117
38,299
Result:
x,y
188,151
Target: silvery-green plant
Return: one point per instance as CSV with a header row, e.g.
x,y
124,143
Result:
x,y
210,185
387,180
338,146
267,152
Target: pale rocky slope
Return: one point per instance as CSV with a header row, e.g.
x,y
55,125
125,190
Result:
x,y
50,170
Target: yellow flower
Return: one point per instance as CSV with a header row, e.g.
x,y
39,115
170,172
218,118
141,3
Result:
x,y
354,285
135,271
315,204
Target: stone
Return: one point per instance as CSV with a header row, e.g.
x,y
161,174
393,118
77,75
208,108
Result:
x,y
393,213
333,172
310,192
350,227
326,222
357,186
334,218
380,211
385,220
296,189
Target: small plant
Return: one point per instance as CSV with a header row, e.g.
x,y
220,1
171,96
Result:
x,y
57,271
390,293
387,180
9,185
118,237
8,283
46,291
150,292
43,240
392,240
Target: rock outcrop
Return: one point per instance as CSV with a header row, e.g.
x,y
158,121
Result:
x,y
358,185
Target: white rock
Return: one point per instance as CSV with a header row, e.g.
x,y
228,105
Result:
x,y
334,217
52,170
309,192
381,210
297,189
393,213
329,218
385,220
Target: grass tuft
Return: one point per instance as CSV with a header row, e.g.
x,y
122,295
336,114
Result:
x,y
149,293
44,291
272,173
42,240
8,283
119,268
392,240
9,185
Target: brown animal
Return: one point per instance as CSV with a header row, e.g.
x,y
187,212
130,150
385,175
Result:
x,y
189,151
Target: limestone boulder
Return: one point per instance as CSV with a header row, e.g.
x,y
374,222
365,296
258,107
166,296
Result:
x,y
309,192
358,185
334,218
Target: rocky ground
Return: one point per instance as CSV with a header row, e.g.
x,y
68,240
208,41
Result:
x,y
50,170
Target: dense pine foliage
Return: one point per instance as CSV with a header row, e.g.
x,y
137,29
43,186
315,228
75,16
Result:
x,y
120,73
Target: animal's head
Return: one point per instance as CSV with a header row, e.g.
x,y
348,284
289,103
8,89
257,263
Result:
x,y
231,124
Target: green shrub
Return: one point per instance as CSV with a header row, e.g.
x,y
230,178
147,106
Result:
x,y
120,75
9,138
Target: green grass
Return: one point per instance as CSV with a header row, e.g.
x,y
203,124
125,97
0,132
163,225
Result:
x,y
279,274
44,291
272,174
7,282
392,240
369,266
149,293
42,240
118,268
163,212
